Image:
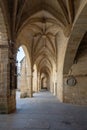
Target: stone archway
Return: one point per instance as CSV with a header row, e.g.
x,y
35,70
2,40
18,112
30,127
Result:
x,y
26,75
45,78
78,30
72,66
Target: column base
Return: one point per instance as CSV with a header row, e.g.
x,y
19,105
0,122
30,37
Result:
x,y
7,105
26,95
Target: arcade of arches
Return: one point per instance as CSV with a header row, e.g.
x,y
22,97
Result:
x,y
53,34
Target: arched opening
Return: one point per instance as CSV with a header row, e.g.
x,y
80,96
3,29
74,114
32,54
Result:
x,y
20,57
40,34
21,70
44,83
78,31
24,72
78,93
75,65
45,79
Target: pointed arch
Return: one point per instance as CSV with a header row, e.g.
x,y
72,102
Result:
x,y
26,74
78,31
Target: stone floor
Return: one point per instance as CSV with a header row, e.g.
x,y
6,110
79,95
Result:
x,y
44,112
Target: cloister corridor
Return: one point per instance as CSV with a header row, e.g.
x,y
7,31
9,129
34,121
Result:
x,y
47,88
44,112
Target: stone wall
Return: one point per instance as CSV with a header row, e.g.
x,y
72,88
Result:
x,y
77,94
7,97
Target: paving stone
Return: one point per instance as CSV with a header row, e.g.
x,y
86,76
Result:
x,y
45,112
38,124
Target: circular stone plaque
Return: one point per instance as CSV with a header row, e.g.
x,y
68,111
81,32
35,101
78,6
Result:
x,y
71,81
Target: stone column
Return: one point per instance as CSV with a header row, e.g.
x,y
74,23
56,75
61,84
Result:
x,y
39,82
3,88
55,84
35,83
7,90
30,85
26,87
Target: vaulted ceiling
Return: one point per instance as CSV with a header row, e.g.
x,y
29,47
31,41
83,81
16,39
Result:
x,y
63,10
36,23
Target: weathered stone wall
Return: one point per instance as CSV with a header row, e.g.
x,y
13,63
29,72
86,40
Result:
x,y
7,96
78,94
